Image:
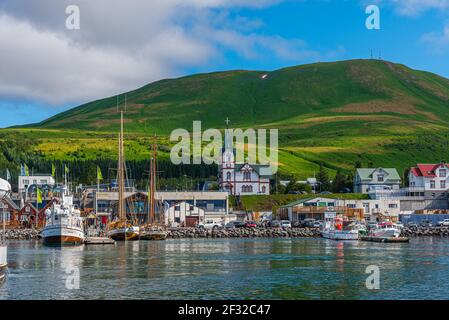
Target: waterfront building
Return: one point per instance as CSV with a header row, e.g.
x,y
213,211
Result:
x,y
39,180
366,179
215,204
183,214
367,209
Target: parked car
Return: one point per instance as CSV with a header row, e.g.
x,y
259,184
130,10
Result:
x,y
275,224
296,224
210,225
443,223
234,225
250,224
308,223
412,225
317,224
425,223
399,224
286,224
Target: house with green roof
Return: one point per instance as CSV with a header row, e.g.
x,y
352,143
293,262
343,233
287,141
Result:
x,y
367,179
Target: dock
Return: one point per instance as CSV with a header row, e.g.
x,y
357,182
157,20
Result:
x,y
98,240
386,239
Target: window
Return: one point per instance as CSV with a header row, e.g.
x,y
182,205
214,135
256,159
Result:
x,y
264,189
380,178
228,176
432,184
247,175
442,173
177,208
392,205
443,184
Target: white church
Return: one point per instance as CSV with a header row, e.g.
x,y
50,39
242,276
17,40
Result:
x,y
241,178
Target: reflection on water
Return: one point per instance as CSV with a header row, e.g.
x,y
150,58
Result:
x,y
230,269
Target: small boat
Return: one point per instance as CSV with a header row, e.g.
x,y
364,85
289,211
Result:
x,y
385,229
123,231
335,228
63,223
153,233
5,190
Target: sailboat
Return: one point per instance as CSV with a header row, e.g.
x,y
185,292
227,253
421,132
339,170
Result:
x,y
5,190
122,229
152,231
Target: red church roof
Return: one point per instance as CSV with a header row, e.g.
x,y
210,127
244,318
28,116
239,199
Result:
x,y
426,170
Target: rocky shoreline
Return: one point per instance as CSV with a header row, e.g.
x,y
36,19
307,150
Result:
x,y
192,233
244,233
425,232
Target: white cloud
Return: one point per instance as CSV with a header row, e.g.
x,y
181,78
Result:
x,y
417,7
437,42
123,45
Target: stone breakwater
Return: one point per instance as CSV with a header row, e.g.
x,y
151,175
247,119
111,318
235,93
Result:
x,y
425,231
244,233
22,234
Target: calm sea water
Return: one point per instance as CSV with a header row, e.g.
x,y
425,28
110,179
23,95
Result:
x,y
230,269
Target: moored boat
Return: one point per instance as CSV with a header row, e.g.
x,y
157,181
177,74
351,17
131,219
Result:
x,y
385,229
335,228
63,223
5,190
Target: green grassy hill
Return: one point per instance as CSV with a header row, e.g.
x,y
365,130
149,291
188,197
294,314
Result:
x,y
377,112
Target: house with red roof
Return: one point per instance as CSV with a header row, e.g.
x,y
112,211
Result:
x,y
430,177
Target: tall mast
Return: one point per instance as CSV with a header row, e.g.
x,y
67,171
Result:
x,y
152,182
121,187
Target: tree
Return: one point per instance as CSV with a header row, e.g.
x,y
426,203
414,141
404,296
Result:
x,y
294,187
339,183
323,179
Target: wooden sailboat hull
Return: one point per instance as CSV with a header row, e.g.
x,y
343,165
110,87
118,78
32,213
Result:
x,y
119,234
3,263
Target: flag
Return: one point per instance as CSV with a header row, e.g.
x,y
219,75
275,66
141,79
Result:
x,y
99,175
39,195
53,170
22,169
8,175
66,169
27,171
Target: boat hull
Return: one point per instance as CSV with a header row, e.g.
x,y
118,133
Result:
x,y
119,234
62,235
3,264
340,235
153,235
388,233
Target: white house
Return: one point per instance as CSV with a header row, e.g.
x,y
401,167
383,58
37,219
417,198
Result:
x,y
183,214
242,178
430,177
37,179
366,179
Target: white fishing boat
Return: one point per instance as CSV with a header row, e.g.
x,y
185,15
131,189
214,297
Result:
x,y
63,223
385,229
5,190
334,228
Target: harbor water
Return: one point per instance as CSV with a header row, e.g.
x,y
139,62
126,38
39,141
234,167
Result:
x,y
229,269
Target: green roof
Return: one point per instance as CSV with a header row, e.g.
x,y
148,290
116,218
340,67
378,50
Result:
x,y
256,168
367,173
294,203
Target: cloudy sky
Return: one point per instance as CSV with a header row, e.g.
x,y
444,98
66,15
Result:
x,y
121,45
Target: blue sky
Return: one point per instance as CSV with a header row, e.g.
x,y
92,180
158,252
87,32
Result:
x,y
47,68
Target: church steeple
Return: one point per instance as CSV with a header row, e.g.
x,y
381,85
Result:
x,y
228,137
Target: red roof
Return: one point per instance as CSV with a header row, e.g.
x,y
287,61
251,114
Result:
x,y
426,170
